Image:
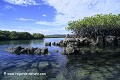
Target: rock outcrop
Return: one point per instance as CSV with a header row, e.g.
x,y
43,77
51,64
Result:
x,y
48,44
27,50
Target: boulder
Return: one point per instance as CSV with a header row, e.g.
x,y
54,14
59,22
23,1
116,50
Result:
x,y
37,51
30,50
53,43
48,44
43,65
61,43
71,40
72,49
23,51
44,50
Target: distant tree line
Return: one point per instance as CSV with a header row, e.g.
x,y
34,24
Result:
x,y
97,25
13,35
57,36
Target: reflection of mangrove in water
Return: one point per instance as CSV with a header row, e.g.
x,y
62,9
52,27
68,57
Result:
x,y
15,42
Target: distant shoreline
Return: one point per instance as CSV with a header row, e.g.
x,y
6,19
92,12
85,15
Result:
x,y
13,35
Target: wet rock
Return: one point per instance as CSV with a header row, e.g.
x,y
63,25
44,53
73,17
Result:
x,y
55,65
44,51
61,43
43,65
77,43
22,64
60,76
27,50
53,43
37,51
34,65
70,49
48,44
16,49
96,76
78,74
71,40
56,51
23,51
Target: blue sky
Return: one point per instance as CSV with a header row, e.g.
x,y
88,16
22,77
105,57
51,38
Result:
x,y
50,16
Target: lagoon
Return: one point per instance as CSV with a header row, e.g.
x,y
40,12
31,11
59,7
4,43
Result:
x,y
53,66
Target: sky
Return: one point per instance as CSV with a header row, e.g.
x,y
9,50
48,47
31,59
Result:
x,y
50,16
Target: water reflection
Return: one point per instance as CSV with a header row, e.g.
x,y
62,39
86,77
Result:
x,y
15,42
55,65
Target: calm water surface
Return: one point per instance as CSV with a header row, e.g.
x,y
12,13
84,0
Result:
x,y
55,65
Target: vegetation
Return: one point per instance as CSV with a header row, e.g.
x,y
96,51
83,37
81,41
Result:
x,y
13,35
38,35
57,36
97,25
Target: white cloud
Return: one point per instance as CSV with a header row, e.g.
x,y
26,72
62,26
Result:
x,y
49,23
8,7
43,22
44,15
25,19
68,10
23,2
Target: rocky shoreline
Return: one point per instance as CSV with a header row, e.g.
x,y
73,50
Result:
x,y
72,46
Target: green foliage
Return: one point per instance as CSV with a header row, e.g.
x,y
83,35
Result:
x,y
56,36
13,35
38,35
99,24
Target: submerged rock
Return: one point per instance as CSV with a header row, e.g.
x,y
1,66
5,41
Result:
x,y
96,76
55,65
43,65
34,65
56,51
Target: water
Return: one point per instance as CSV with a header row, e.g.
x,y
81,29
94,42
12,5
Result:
x,y
54,66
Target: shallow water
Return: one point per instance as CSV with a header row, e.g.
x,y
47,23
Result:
x,y
54,66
